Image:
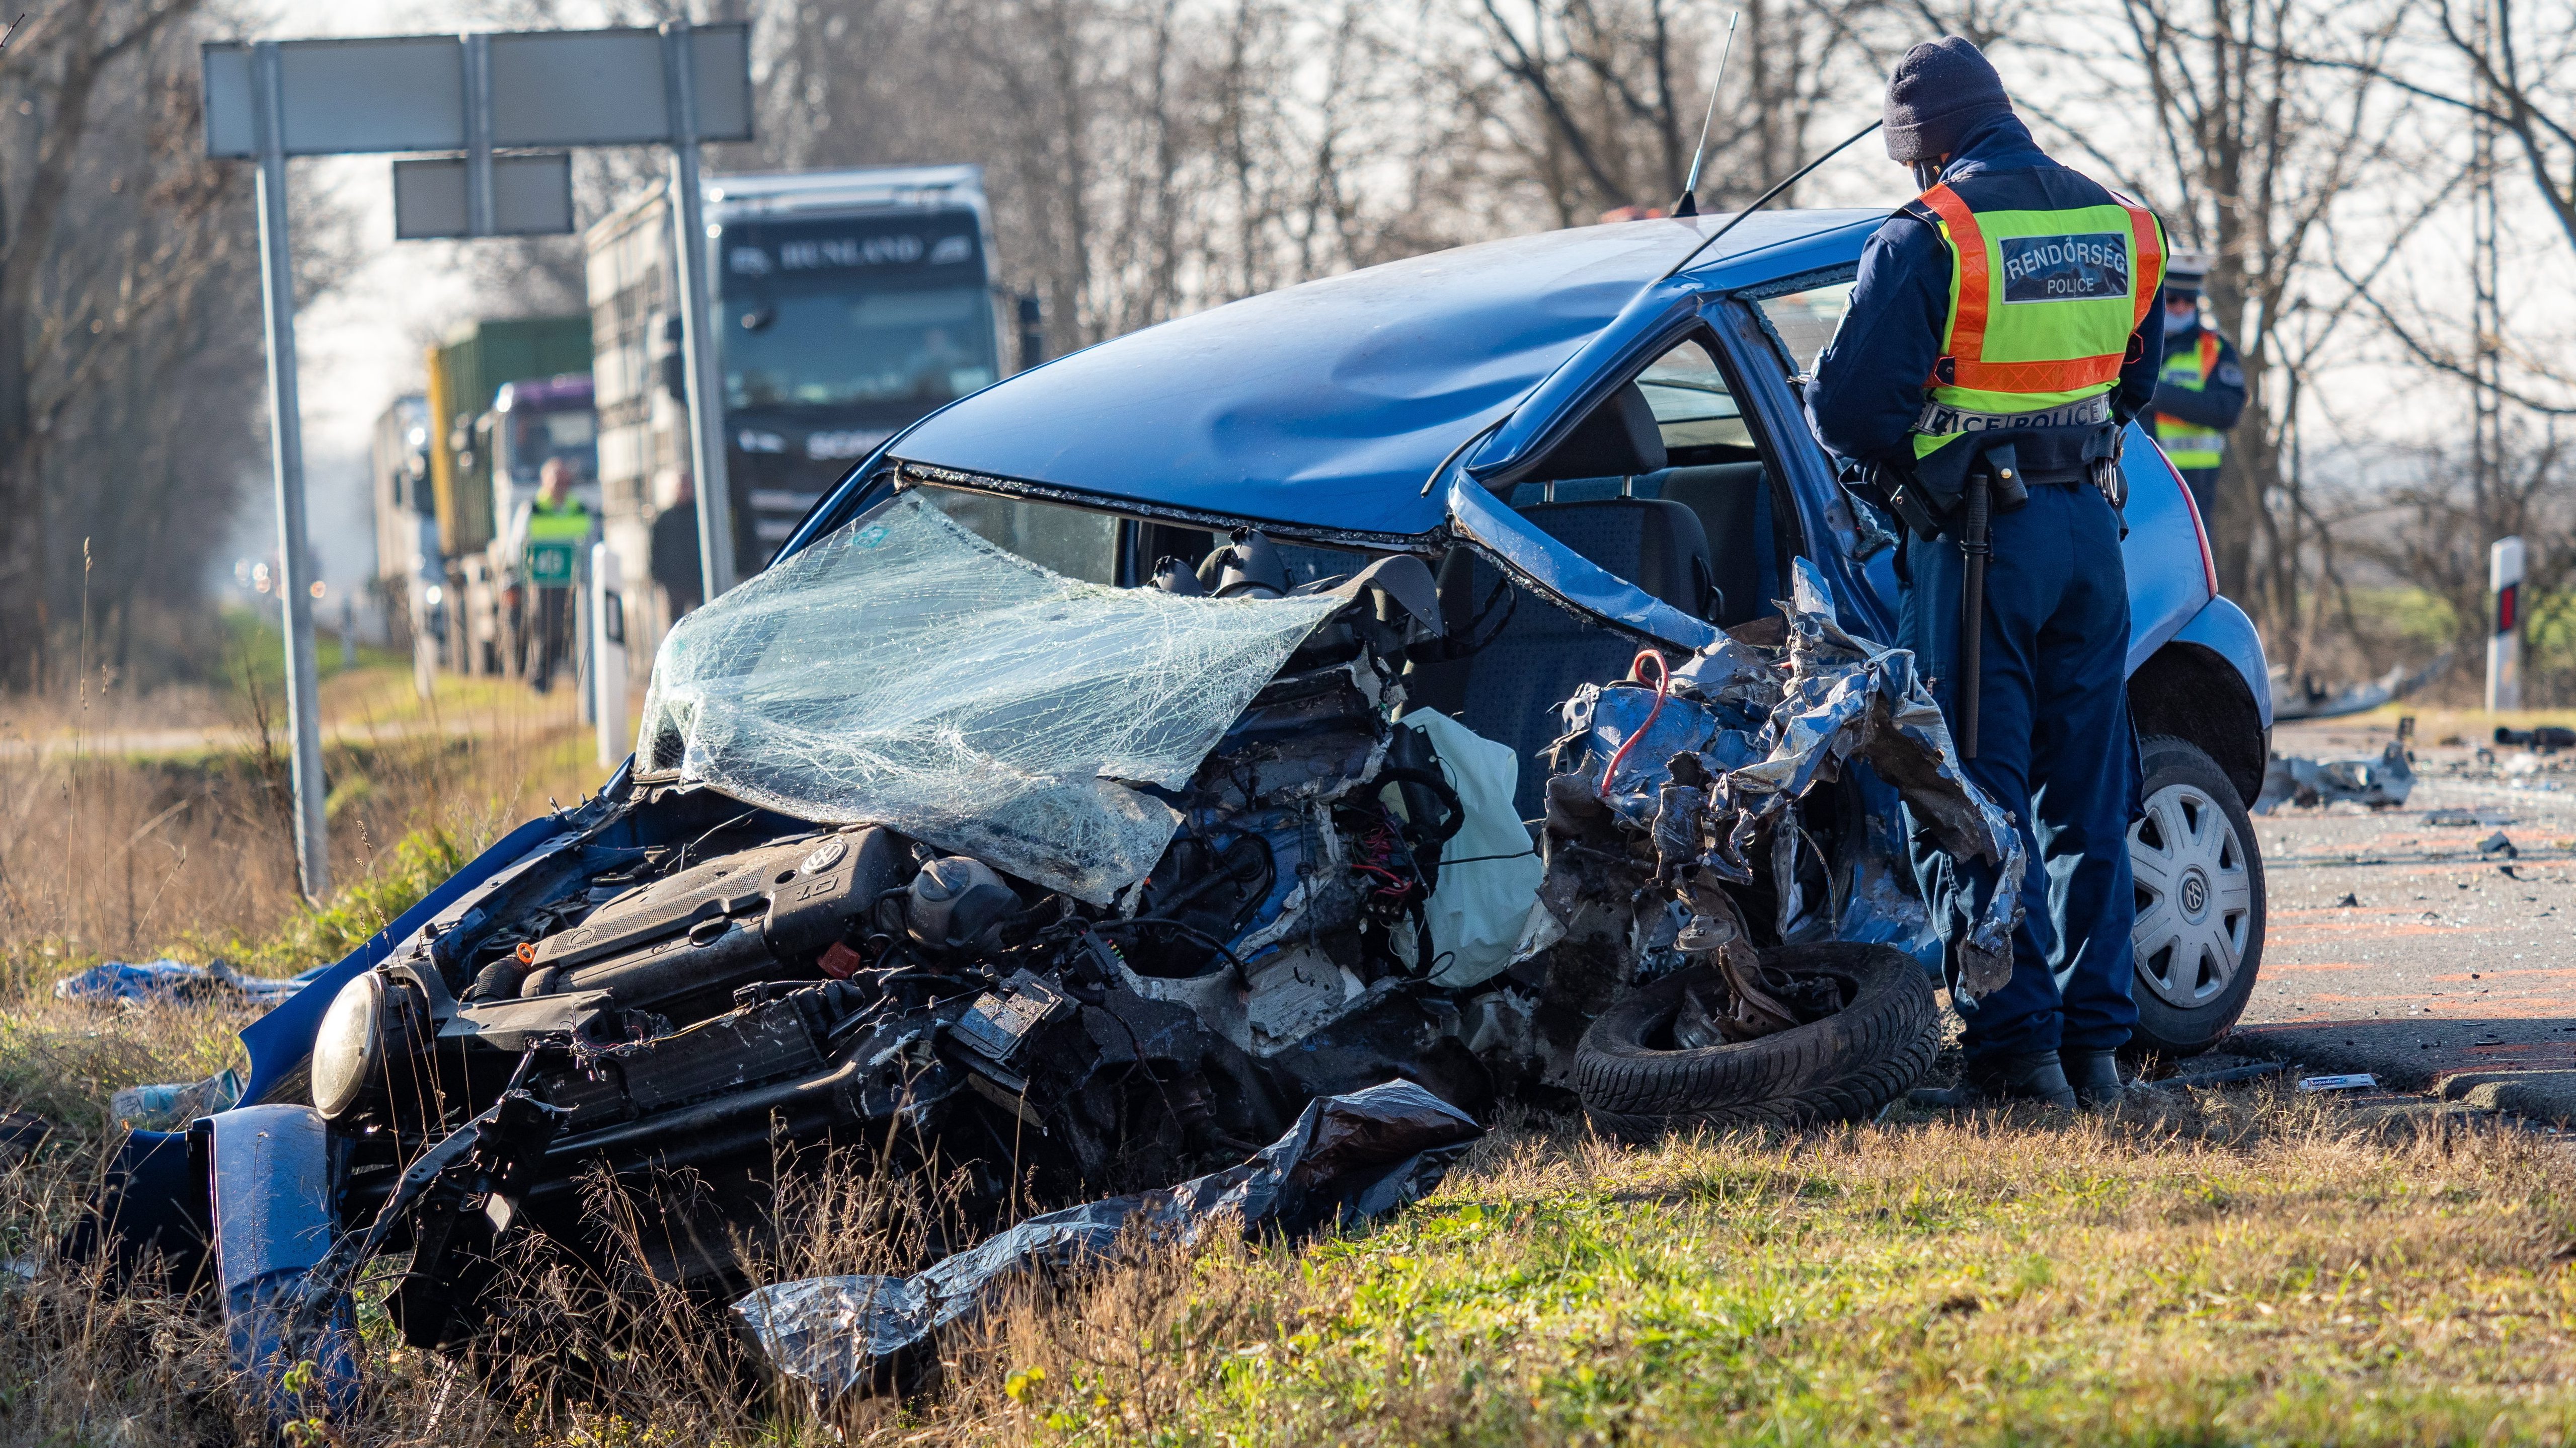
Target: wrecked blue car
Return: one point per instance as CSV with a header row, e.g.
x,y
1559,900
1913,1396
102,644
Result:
x,y
1459,671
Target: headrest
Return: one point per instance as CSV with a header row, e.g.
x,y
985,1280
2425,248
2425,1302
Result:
x,y
1619,439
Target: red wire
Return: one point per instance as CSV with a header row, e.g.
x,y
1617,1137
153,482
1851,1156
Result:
x,y
1663,680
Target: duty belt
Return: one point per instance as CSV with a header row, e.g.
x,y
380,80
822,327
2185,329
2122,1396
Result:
x,y
1939,421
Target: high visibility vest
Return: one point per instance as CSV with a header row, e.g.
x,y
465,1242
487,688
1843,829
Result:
x,y
552,551
2042,303
2188,444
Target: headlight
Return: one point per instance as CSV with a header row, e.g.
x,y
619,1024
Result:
x,y
349,1048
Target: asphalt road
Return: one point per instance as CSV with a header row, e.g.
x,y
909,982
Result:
x,y
2399,946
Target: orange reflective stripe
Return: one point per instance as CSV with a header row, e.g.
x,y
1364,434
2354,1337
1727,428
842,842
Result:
x,y
2208,353
2064,376
2150,260
1968,330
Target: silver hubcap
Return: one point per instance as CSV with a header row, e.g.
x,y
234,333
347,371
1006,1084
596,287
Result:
x,y
2195,901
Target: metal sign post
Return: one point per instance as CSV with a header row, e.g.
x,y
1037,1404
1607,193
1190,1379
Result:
x,y
474,97
608,653
2504,639
697,312
286,462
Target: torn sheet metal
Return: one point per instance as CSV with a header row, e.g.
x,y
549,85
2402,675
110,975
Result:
x,y
2383,782
1763,730
906,672
1349,1158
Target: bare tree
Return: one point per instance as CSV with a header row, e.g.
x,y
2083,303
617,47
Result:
x,y
2250,151
1600,98
63,56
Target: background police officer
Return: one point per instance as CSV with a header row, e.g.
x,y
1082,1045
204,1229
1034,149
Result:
x,y
553,532
2005,324
2202,390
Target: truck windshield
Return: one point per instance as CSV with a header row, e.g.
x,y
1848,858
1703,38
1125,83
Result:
x,y
799,348
537,436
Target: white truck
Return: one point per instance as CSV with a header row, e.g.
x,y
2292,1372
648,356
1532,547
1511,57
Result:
x,y
847,303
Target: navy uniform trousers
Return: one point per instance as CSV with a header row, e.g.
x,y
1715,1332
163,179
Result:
x,y
2056,748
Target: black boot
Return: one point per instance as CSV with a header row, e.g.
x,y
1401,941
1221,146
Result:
x,y
2096,1078
2002,1080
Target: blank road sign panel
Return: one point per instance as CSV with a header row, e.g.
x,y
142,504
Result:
x,y
578,88
606,87
549,89
531,196
398,93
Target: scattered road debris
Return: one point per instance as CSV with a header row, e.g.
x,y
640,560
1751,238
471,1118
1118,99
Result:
x,y
2362,1081
2466,818
2308,700
2546,739
1348,1159
2230,1076
2382,782
2350,901
2499,844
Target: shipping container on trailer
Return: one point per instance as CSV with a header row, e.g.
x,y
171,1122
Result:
x,y
482,365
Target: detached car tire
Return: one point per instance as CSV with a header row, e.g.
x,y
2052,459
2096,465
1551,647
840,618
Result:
x,y
2199,874
1635,1085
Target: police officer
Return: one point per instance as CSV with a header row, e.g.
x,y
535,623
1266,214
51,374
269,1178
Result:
x,y
553,530
2202,391
2003,329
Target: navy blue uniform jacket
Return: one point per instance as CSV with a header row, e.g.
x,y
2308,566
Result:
x,y
1869,384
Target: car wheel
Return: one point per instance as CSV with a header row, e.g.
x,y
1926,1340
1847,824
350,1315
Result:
x,y
2199,877
1636,1084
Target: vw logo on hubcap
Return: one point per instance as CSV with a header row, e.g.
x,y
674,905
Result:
x,y
2195,894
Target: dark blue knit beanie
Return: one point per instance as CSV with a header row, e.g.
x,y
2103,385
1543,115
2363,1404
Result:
x,y
1940,91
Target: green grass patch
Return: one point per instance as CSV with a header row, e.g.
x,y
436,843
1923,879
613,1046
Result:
x,y
1949,1283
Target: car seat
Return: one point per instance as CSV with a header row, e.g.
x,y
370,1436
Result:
x,y
1509,689
1733,504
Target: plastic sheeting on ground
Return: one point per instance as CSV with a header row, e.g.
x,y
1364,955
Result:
x,y
904,671
118,982
1348,1158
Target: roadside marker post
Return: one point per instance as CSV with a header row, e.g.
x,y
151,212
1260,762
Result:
x,y
499,110
2504,634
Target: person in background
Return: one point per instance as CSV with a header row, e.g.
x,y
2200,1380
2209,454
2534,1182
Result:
x,y
675,550
2202,390
553,533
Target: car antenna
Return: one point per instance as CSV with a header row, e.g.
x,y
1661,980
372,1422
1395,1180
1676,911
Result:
x,y
1765,198
1689,204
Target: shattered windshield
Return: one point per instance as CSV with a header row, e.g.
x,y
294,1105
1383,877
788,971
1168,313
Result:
x,y
906,671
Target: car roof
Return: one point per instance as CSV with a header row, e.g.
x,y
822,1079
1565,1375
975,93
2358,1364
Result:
x,y
1330,404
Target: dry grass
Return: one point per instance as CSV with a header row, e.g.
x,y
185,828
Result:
x,y
2247,1269
123,833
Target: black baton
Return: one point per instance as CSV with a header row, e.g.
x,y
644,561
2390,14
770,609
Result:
x,y
1974,546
